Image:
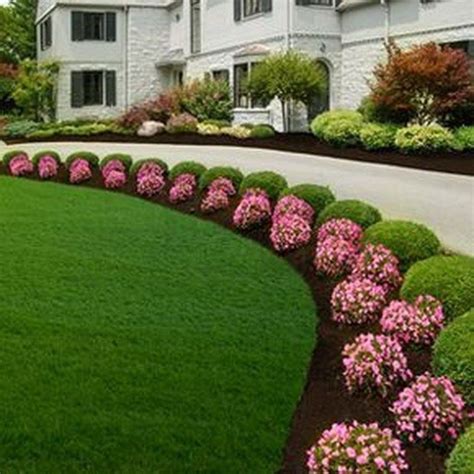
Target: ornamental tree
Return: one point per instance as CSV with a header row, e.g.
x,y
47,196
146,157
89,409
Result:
x,y
427,82
290,77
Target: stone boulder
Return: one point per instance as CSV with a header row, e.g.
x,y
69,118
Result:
x,y
150,128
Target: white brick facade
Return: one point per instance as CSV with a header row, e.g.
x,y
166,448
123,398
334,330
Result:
x,y
153,44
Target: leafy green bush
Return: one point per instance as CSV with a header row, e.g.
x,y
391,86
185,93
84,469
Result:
x,y
236,131
9,155
453,353
272,183
53,154
377,136
358,211
262,131
409,241
465,136
138,164
234,174
122,157
248,125
182,123
217,123
448,278
342,133
92,158
318,197
424,138
191,167
322,121
461,459
20,128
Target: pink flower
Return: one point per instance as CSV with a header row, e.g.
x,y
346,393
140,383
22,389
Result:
x,y
20,165
47,167
150,179
289,232
115,179
223,184
183,189
215,201
79,171
343,229
335,257
253,209
292,205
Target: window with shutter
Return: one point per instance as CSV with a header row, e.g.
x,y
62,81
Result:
x,y
94,26
91,88
77,26
77,90
111,26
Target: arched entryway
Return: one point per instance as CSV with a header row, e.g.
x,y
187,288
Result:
x,y
321,102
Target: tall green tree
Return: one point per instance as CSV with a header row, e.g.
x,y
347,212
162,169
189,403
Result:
x,y
291,77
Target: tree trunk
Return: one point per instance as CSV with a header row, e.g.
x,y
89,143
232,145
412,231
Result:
x,y
284,115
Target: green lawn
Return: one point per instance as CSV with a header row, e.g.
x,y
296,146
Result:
x,y
135,339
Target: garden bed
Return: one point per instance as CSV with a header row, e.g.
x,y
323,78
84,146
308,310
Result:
x,y
448,162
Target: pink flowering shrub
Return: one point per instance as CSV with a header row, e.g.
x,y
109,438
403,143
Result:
x,y
375,362
429,409
79,171
114,174
357,301
289,232
253,209
183,189
214,201
150,167
47,167
20,165
223,184
343,229
150,179
292,205
417,323
378,264
356,448
335,257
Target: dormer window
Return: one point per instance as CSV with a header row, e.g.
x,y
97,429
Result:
x,y
94,26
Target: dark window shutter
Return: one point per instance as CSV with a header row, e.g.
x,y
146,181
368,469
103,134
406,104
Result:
x,y
49,32
111,26
237,10
267,5
303,2
77,20
41,30
110,88
77,89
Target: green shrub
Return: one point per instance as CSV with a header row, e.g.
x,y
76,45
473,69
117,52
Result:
x,y
37,156
378,136
448,278
217,123
42,133
182,123
465,136
272,183
409,241
321,122
124,158
135,168
234,174
373,112
319,197
358,211
262,131
85,155
20,128
453,354
424,138
191,167
342,133
248,125
461,459
9,155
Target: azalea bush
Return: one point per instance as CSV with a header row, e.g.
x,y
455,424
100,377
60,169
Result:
x,y
343,229
356,448
187,167
253,209
417,323
357,301
218,195
79,171
374,362
293,205
335,257
429,409
150,176
183,188
114,174
289,232
233,174
20,165
91,158
47,167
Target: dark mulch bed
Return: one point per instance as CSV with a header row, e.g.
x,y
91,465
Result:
x,y
325,399
452,162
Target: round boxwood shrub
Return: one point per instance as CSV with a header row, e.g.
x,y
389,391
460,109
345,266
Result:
x,y
357,211
377,136
125,159
321,122
138,164
453,354
409,241
423,138
189,167
234,174
9,155
272,183
53,154
92,158
461,459
342,133
448,278
465,136
318,197
262,131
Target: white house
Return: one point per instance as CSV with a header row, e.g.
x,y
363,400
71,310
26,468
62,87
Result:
x,y
114,53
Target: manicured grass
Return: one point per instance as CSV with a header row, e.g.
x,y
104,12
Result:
x,y
135,339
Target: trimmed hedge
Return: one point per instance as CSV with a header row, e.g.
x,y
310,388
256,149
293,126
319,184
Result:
x,y
453,354
342,133
234,174
465,136
9,155
191,167
422,138
378,136
461,459
122,157
357,211
409,241
92,158
272,183
138,164
322,121
262,131
448,278
53,154
318,197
